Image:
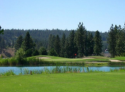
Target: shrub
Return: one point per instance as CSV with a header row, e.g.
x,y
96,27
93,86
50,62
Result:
x,y
52,52
20,55
35,53
4,61
29,52
32,61
12,61
42,51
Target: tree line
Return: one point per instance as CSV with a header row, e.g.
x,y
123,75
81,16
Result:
x,y
41,37
25,47
79,43
116,40
2,42
70,44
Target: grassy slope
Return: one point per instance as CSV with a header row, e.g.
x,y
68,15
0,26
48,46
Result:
x,y
72,82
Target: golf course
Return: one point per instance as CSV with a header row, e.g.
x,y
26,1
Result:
x,y
112,81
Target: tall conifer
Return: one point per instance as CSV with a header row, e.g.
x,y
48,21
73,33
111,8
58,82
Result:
x,y
97,43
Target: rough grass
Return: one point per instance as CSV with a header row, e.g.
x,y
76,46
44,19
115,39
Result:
x,y
72,82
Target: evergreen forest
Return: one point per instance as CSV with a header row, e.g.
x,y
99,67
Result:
x,y
64,43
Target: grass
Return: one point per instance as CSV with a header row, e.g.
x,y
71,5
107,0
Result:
x,y
120,58
68,82
100,60
61,59
54,60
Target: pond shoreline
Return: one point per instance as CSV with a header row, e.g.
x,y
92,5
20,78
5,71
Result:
x,y
58,69
95,63
43,60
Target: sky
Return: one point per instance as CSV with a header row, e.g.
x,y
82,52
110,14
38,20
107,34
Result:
x,y
61,14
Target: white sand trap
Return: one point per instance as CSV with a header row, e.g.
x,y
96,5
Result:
x,y
115,61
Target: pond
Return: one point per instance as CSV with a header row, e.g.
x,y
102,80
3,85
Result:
x,y
18,70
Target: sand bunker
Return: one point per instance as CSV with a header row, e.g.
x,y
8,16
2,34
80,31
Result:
x,y
115,61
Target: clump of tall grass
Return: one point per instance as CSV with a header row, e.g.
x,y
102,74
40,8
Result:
x,y
26,71
58,69
37,71
117,70
8,73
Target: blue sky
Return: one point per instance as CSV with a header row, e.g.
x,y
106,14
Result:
x,y
61,14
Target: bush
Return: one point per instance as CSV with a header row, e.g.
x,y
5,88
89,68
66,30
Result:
x,y
29,52
4,61
42,51
13,61
20,55
32,61
52,52
35,53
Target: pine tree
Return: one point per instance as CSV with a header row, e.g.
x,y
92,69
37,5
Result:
x,y
2,44
72,45
18,42
57,45
120,42
90,44
63,45
1,30
85,43
66,53
97,43
28,42
112,36
80,40
28,45
50,42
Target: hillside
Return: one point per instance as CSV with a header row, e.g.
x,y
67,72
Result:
x,y
10,35
9,52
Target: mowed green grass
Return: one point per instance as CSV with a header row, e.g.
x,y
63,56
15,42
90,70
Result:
x,y
68,82
61,59
120,58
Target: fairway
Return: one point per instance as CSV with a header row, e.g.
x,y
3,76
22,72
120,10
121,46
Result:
x,y
60,59
68,82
